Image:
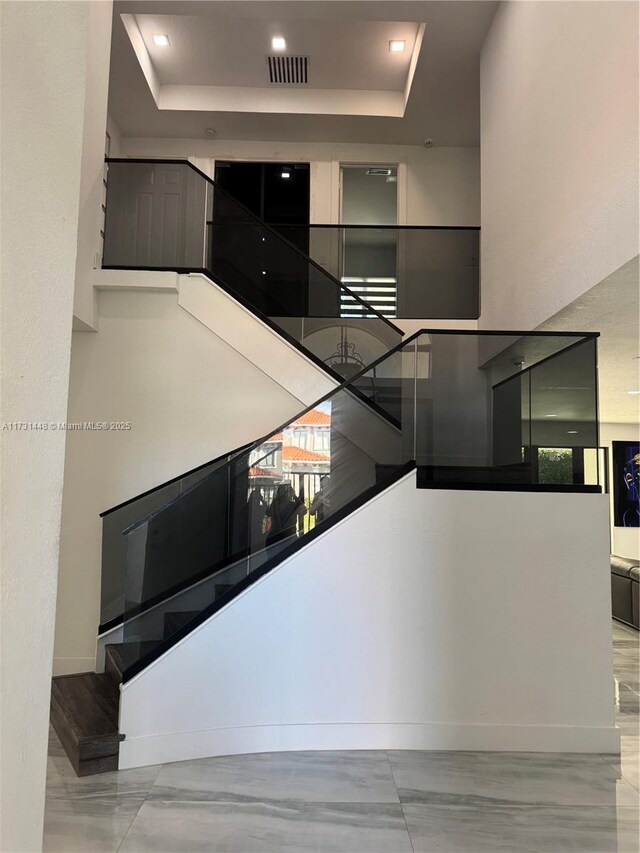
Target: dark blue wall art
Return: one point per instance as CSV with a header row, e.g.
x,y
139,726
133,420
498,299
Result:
x,y
626,483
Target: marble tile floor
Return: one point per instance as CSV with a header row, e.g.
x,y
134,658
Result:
x,y
364,802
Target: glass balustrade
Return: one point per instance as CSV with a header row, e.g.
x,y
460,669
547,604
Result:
x,y
402,271
467,410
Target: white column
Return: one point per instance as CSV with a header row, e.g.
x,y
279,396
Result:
x,y
44,50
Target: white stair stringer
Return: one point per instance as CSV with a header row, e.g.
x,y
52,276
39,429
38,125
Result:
x,y
236,325
252,338
352,417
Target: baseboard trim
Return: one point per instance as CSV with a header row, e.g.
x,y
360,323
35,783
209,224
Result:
x,y
69,666
182,746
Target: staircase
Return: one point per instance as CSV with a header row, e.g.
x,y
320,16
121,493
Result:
x,y
84,707
175,556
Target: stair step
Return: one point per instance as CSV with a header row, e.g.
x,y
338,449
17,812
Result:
x,y
175,621
84,714
114,657
113,663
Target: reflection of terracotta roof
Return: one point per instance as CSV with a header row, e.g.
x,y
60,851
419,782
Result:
x,y
276,437
299,454
257,471
315,417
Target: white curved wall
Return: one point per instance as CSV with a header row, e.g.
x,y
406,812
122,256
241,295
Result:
x,y
428,619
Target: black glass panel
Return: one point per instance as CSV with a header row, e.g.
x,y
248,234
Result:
x,y
404,272
475,431
117,520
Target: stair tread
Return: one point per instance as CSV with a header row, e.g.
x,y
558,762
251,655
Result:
x,y
89,706
114,650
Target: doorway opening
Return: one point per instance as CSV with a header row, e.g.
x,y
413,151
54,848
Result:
x,y
369,197
277,193
270,273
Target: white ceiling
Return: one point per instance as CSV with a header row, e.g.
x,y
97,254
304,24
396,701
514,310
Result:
x,y
612,308
224,44
205,51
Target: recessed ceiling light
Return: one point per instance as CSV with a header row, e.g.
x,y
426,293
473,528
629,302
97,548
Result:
x,y
161,40
551,416
397,46
278,43
572,432
633,392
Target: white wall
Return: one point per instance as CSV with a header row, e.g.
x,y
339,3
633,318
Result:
x,y
625,542
96,62
442,185
189,396
461,641
559,142
42,124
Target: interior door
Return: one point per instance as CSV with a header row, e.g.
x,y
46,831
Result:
x,y
155,216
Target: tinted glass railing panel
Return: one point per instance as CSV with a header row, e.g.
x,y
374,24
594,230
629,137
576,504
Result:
x,y
510,432
432,401
155,215
404,272
232,524
167,215
119,519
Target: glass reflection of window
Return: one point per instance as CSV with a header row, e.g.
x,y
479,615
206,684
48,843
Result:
x,y
379,292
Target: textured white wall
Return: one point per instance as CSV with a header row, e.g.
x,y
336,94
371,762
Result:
x,y
442,185
625,541
189,395
428,619
42,125
559,143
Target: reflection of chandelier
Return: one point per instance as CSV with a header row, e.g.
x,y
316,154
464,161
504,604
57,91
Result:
x,y
346,360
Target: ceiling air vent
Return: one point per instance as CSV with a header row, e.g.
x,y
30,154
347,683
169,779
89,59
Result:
x,y
288,70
